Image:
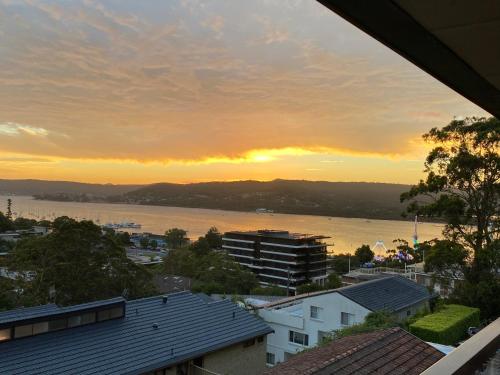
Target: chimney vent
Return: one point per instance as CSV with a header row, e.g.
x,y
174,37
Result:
x,y
155,325
165,299
234,314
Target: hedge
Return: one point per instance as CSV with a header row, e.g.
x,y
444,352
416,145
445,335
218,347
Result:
x,y
447,326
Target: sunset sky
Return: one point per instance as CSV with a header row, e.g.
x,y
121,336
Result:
x,y
184,91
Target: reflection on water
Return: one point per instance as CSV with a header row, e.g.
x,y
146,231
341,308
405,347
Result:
x,y
346,234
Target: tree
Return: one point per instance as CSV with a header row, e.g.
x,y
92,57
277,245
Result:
x,y
9,209
271,290
144,242
5,223
364,254
309,288
80,263
201,246
153,244
333,281
214,238
463,188
175,238
23,223
373,321
340,263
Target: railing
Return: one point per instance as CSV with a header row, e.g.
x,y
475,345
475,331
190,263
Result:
x,y
197,370
477,354
373,271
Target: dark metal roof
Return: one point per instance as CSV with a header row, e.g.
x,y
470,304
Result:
x,y
391,293
454,41
17,315
187,327
390,351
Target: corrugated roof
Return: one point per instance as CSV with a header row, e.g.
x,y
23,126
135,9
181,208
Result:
x,y
26,313
391,293
188,327
390,351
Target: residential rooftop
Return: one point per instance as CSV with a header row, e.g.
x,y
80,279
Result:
x,y
155,332
280,234
388,351
391,293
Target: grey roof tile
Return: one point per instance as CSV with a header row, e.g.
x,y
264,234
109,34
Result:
x,y
188,327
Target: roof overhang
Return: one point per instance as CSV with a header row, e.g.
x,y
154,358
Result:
x,y
457,42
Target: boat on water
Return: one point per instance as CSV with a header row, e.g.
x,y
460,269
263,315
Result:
x,y
263,211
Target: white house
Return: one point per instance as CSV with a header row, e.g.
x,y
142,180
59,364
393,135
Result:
x,y
302,321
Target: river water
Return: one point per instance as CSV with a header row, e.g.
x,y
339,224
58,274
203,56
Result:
x,y
346,233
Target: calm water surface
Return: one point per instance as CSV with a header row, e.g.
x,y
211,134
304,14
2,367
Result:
x,y
347,234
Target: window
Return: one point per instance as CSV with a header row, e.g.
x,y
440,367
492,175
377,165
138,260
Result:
x,y
41,327
298,338
116,312
88,318
270,358
56,325
315,312
4,334
346,319
23,331
74,321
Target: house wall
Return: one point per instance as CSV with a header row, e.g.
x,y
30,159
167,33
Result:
x,y
282,321
238,359
411,310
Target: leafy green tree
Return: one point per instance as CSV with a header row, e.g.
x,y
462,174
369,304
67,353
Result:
x,y
80,263
5,223
144,242
463,188
340,263
7,294
271,290
373,321
212,272
364,254
214,238
309,288
175,238
333,281
201,246
153,244
24,223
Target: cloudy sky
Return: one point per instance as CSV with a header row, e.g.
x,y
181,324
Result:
x,y
130,91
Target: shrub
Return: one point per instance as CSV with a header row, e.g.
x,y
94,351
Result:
x,y
448,326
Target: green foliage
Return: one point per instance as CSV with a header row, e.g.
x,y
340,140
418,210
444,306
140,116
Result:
x,y
80,263
340,263
374,321
364,254
463,188
309,288
447,326
214,238
201,246
5,223
271,290
333,281
7,294
144,242
175,238
23,223
212,272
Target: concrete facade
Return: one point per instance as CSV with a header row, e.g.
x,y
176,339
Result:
x,y
240,359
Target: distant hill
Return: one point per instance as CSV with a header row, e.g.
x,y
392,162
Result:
x,y
32,187
345,199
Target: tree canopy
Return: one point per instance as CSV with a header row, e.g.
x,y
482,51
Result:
x,y
364,254
175,238
77,263
463,188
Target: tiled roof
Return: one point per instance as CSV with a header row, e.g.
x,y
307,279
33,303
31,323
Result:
x,y
187,327
11,316
390,351
391,293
